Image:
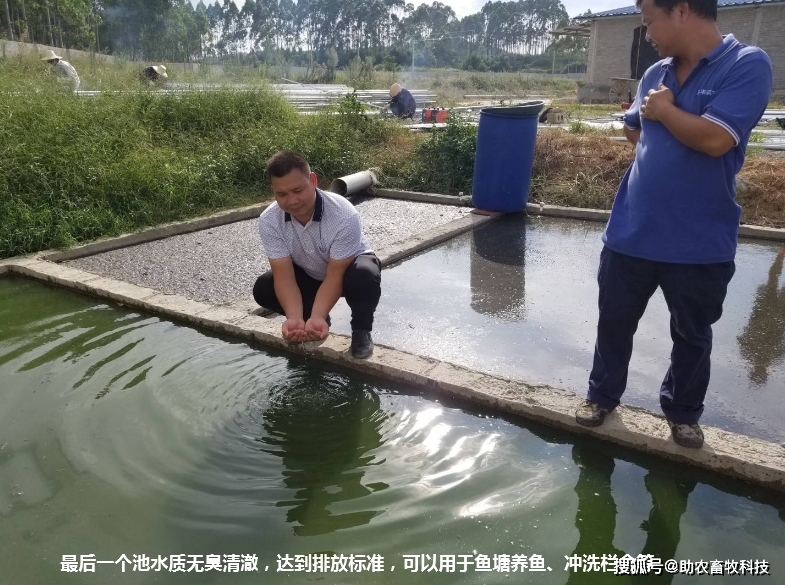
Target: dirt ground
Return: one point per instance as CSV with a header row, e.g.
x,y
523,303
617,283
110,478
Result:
x,y
585,170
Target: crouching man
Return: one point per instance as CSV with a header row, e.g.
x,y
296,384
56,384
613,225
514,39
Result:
x,y
317,254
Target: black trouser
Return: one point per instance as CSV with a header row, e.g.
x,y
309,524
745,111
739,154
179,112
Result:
x,y
694,294
398,109
361,288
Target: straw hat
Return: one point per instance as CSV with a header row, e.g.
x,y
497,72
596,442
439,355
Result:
x,y
50,55
395,89
160,70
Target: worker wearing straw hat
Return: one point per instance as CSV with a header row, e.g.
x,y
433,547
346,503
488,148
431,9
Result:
x,y
402,103
154,75
63,68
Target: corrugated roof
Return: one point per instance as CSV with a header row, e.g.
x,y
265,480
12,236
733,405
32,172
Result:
x,y
631,10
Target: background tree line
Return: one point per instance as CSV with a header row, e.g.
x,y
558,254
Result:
x,y
392,33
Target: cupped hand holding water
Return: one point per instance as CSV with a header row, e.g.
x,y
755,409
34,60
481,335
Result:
x,y
317,329
293,329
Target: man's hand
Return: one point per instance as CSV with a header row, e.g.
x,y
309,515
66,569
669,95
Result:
x,y
293,330
657,102
316,329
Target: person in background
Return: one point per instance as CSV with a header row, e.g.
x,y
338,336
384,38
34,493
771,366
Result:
x,y
402,104
154,75
675,221
62,68
318,254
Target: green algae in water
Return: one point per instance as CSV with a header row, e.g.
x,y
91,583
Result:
x,y
123,434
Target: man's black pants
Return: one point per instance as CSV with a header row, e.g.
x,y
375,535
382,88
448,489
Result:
x,y
694,294
361,288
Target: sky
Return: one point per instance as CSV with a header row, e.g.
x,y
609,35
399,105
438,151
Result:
x,y
574,7
465,7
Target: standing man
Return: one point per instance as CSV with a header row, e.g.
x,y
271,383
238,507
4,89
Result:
x,y
63,68
402,102
675,221
317,254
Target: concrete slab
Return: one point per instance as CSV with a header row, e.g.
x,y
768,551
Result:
x,y
222,263
762,233
178,307
417,243
570,212
157,233
245,305
249,327
119,291
55,273
460,201
223,315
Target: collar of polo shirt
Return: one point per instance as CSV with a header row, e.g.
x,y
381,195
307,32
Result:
x,y
317,212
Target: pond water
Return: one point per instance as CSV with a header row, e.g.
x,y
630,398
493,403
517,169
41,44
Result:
x,y
518,298
123,434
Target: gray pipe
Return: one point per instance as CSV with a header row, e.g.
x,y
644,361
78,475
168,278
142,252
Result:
x,y
355,183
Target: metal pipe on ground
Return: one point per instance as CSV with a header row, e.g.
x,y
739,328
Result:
x,y
356,183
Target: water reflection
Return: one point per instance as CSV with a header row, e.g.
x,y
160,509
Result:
x,y
762,343
596,516
324,427
497,269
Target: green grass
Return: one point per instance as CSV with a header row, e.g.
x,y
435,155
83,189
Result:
x,y
74,169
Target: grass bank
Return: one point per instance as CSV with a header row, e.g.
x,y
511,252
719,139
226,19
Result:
x,y
74,169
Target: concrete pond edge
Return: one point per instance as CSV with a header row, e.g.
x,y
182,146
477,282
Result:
x,y
747,231
754,460
157,233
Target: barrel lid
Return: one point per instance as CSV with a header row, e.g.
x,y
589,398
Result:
x,y
530,108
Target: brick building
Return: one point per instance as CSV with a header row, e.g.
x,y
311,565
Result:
x,y
614,50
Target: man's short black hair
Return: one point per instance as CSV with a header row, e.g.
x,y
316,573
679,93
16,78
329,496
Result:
x,y
284,162
704,8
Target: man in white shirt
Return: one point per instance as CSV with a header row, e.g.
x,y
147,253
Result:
x,y
317,254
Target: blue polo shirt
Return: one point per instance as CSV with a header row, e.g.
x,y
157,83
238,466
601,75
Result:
x,y
676,204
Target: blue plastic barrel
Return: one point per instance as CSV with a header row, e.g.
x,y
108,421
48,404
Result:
x,y
505,153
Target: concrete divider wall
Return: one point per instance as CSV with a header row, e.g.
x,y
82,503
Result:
x,y
14,48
